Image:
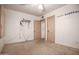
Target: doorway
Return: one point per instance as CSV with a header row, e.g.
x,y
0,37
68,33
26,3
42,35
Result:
x,y
51,29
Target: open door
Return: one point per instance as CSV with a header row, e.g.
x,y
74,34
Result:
x,y
37,31
51,29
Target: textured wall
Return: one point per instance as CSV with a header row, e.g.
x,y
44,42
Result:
x,y
13,31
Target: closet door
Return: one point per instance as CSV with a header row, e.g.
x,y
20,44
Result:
x,y
37,30
51,29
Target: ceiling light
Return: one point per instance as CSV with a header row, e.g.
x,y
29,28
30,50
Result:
x,y
40,7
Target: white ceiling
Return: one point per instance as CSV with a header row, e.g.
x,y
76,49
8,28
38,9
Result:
x,y
33,9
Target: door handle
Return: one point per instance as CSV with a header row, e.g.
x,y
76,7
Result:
x,y
48,30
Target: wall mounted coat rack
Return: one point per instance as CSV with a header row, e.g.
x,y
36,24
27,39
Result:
x,y
69,13
26,21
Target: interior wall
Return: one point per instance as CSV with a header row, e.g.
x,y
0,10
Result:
x,y
43,30
2,28
13,31
66,25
